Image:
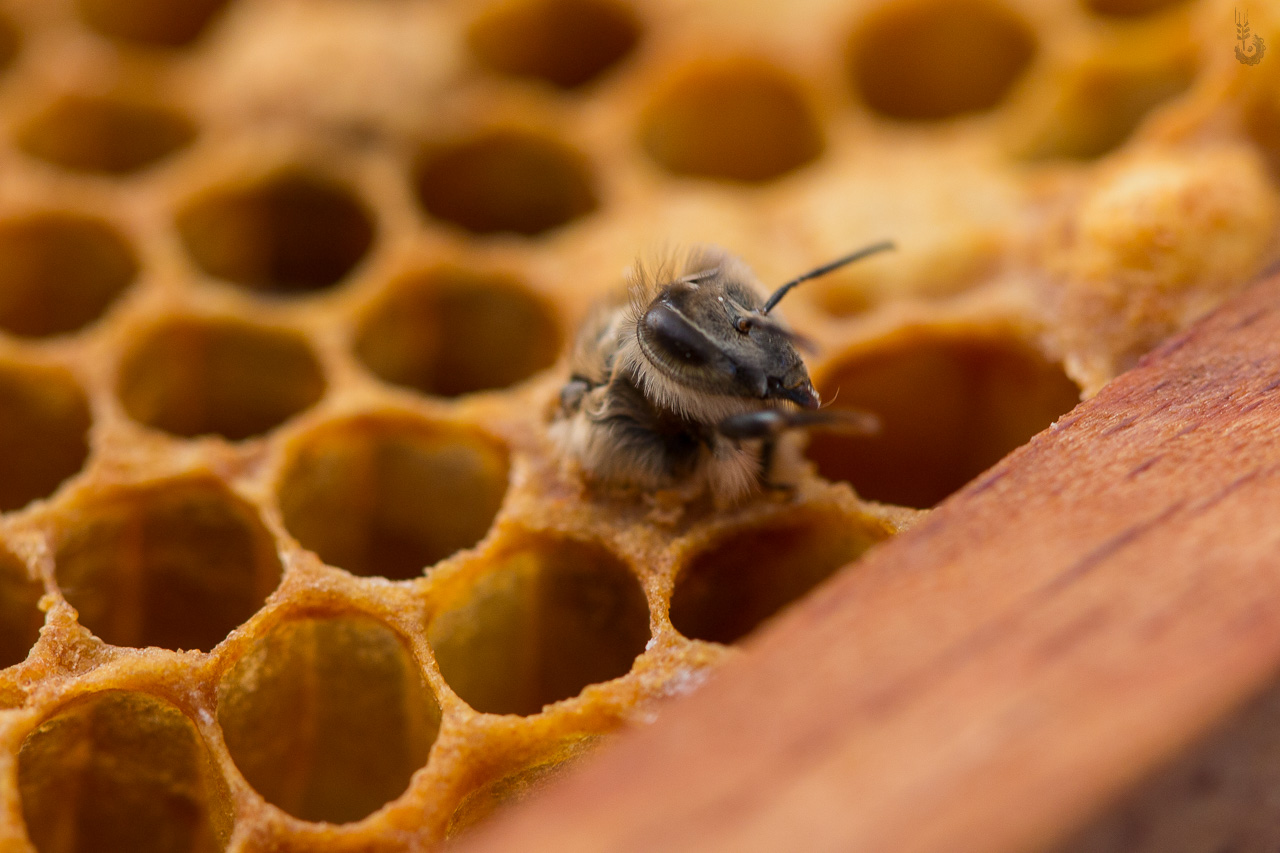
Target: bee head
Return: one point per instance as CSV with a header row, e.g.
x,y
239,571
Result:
x,y
706,332
709,331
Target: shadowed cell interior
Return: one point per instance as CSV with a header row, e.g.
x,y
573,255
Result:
x,y
537,623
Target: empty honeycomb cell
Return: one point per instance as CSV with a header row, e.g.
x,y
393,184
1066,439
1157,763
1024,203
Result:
x,y
109,135
294,232
20,617
121,772
841,300
505,181
518,785
158,23
44,426
176,564
1262,123
59,272
1130,8
935,59
564,42
951,404
740,119
328,717
1103,106
190,377
10,41
747,576
450,331
544,619
389,495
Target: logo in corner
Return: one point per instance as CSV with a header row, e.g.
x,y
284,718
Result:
x,y
1251,47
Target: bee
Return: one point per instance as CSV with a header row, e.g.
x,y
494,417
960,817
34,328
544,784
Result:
x,y
691,382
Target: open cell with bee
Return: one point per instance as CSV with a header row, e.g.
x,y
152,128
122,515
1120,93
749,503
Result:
x,y
688,384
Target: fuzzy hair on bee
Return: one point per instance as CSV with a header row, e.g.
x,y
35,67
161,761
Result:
x,y
691,382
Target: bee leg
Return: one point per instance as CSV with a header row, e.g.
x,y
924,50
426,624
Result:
x,y
762,423
572,393
768,425
771,423
768,451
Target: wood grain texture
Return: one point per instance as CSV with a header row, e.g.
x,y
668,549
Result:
x,y
991,679
1218,797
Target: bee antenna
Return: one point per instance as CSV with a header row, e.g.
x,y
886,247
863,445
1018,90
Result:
x,y
874,248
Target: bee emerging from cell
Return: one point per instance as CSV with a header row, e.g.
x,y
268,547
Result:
x,y
692,384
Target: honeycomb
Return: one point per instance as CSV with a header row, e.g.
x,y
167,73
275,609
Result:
x,y
287,560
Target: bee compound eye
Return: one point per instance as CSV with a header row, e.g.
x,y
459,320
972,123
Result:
x,y
669,331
